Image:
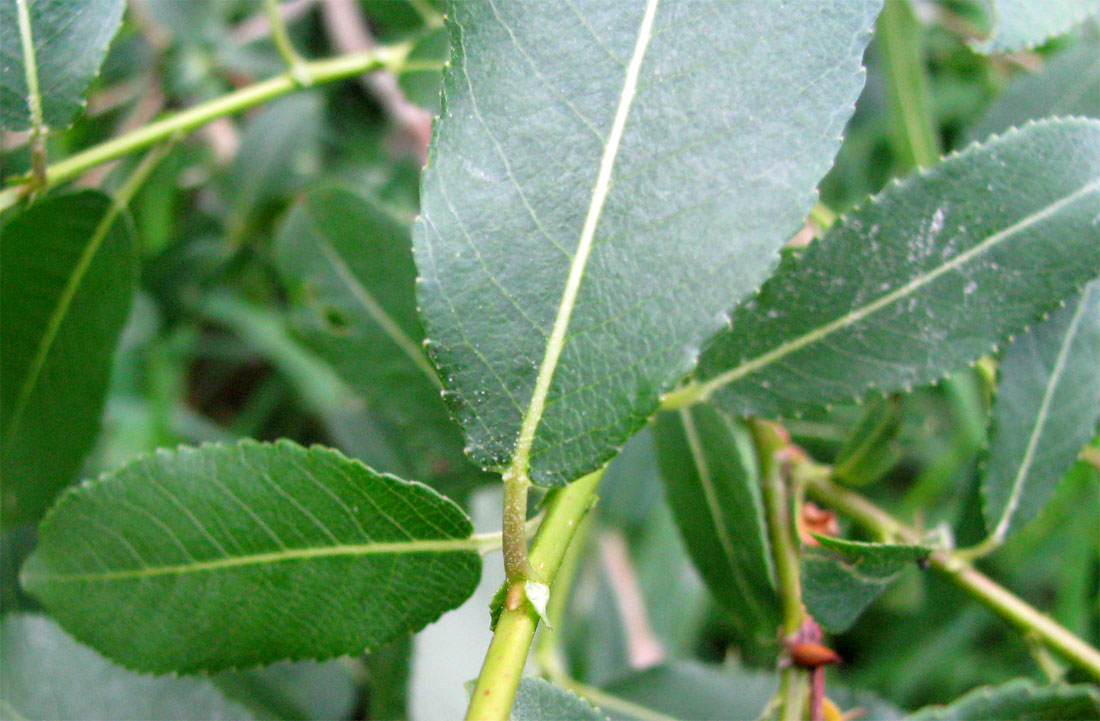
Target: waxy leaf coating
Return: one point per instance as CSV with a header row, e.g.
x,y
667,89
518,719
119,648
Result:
x,y
605,182
924,279
1022,24
220,556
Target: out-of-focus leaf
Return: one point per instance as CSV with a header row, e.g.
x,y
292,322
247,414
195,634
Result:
x,y
1047,407
605,182
690,691
47,675
68,40
839,583
66,284
925,278
1018,700
230,556
631,485
1067,84
712,485
299,691
1022,24
540,700
348,263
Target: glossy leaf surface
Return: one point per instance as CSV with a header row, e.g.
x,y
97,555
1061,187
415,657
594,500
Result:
x,y
230,556
1046,410
48,675
927,277
66,284
713,487
67,41
606,180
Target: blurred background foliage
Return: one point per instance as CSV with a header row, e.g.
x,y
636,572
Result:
x,y
222,345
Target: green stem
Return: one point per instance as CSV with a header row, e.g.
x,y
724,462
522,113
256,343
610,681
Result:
x,y
34,96
1004,603
499,678
318,72
279,34
515,515
899,37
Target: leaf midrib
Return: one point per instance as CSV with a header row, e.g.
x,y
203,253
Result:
x,y
472,543
521,457
705,389
1013,502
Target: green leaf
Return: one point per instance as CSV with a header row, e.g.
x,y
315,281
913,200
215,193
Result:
x,y
1046,411
840,581
67,42
539,700
690,690
606,180
66,285
348,263
925,278
1067,84
48,675
1022,24
1018,700
713,488
222,556
301,691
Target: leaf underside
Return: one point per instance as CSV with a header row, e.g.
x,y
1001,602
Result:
x,y
1046,411
929,276
1018,700
605,181
1023,24
48,675
219,556
538,700
70,40
55,352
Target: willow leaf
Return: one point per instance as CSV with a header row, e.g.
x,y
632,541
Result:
x,y
348,263
927,277
538,699
49,51
230,556
605,181
1047,406
713,488
1022,24
46,675
1018,700
69,270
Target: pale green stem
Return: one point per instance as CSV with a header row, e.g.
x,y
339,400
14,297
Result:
x,y
1004,603
899,36
279,34
318,71
496,686
34,96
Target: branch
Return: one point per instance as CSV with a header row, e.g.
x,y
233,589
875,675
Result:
x,y
318,72
1001,601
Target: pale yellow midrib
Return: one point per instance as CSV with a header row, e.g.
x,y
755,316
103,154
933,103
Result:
x,y
472,543
707,388
521,457
1013,502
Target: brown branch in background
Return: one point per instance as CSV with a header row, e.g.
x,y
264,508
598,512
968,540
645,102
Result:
x,y
643,647
349,33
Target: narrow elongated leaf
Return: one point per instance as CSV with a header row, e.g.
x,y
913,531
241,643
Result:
x,y
47,675
840,581
691,690
713,488
63,43
229,556
927,277
66,285
1018,700
348,263
1067,84
1047,407
606,180
1023,24
539,700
